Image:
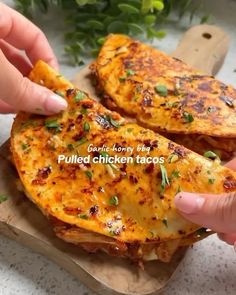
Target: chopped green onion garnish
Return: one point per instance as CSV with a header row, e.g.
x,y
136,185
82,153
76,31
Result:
x,y
188,117
25,146
83,111
211,180
175,174
83,216
130,72
170,104
104,154
114,123
81,141
89,174
86,126
122,79
53,124
114,201
173,158
161,90
164,177
79,96
210,154
174,104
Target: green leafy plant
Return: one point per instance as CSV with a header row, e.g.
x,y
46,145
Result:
x,y
89,21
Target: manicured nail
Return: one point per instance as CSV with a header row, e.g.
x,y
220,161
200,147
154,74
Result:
x,y
188,203
55,104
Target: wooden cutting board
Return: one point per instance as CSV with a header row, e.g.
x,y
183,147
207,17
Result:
x,y
203,47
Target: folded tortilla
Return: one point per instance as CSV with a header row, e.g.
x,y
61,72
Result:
x,y
166,95
124,209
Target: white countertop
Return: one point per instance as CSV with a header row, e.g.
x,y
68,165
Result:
x,y
208,268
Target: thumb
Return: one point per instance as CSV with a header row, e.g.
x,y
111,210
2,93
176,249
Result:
x,y
217,212
24,95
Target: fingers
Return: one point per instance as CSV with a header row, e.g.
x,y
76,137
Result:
x,y
228,238
15,57
22,34
22,94
216,212
5,108
231,164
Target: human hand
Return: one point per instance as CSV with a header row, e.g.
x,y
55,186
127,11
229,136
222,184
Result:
x,y
18,93
217,212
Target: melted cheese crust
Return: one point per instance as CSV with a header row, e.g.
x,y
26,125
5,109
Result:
x,y
82,196
131,76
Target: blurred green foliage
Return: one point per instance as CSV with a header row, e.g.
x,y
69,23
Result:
x,y
89,21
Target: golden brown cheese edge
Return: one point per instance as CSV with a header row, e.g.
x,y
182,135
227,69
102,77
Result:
x,y
132,75
43,74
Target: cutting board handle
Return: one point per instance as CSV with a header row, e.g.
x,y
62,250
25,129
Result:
x,y
204,47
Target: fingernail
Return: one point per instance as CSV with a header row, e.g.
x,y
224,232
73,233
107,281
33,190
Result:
x,y
55,104
188,203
